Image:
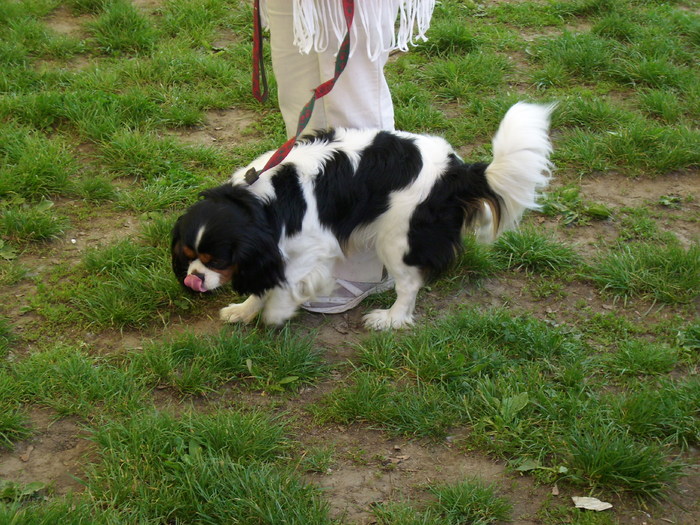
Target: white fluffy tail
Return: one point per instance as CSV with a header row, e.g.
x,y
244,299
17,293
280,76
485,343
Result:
x,y
520,165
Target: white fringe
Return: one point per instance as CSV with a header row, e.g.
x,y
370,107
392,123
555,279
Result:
x,y
318,22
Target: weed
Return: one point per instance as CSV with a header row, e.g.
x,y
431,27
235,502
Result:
x,y
637,357
32,223
120,28
568,203
470,502
609,458
531,250
670,274
193,364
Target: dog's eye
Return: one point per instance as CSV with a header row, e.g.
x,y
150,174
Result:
x,y
218,263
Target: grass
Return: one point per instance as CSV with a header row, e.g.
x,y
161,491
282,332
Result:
x,y
32,223
608,458
669,274
637,358
226,463
34,167
121,29
72,383
566,351
192,364
530,250
470,501
521,386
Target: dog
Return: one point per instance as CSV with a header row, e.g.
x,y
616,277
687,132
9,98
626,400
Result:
x,y
408,197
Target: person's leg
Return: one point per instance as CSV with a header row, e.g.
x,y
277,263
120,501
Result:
x,y
359,99
361,96
297,74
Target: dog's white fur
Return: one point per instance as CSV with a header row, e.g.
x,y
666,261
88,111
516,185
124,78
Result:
x,y
520,167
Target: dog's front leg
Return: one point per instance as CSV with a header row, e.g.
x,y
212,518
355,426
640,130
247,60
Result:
x,y
243,312
280,306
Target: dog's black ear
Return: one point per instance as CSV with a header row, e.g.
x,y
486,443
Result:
x,y
179,261
256,257
259,266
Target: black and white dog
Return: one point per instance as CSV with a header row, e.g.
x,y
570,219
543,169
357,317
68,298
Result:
x,y
408,197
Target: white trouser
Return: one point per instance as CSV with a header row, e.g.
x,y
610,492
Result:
x,y
359,99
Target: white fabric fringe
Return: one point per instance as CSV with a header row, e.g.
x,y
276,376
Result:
x,y
317,23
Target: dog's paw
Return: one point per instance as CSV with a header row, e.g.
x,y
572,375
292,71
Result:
x,y
238,313
383,320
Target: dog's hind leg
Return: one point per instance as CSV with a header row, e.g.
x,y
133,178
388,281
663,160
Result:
x,y
408,281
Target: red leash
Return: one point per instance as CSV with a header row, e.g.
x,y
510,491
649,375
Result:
x,y
321,91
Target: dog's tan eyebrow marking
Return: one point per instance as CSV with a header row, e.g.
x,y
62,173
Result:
x,y
205,257
189,252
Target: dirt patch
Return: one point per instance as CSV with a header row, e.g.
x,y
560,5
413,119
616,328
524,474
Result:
x,y
63,22
222,127
371,469
56,455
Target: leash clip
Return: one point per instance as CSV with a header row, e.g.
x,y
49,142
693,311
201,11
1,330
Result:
x,y
251,176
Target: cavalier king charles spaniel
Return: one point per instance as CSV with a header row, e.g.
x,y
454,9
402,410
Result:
x,y
276,236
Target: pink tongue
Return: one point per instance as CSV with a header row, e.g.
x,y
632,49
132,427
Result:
x,y
194,282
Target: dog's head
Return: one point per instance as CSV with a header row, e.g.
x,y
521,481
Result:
x,y
226,237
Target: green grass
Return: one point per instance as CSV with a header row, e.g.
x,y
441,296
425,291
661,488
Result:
x,y
610,459
669,274
33,166
533,251
521,386
459,77
7,336
14,422
121,29
470,501
192,364
197,467
31,223
568,350
666,411
637,358
72,383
